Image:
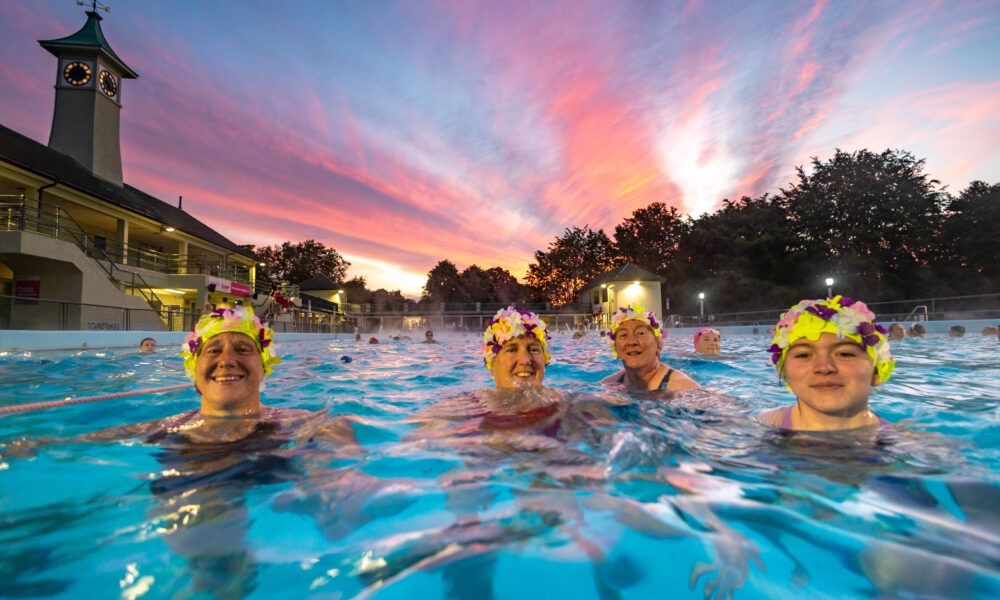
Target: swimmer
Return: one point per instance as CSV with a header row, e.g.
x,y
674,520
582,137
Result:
x,y
637,340
227,356
991,330
526,428
956,331
212,455
515,348
429,337
917,330
830,353
896,332
147,345
708,341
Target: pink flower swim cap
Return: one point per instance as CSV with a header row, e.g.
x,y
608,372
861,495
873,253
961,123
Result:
x,y
705,331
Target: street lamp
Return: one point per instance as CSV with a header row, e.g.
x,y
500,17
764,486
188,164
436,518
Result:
x,y
701,300
829,287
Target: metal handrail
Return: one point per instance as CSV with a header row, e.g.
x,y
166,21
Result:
x,y
64,227
916,311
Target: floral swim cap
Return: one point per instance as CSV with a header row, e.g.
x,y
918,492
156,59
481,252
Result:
x,y
631,312
843,316
705,331
236,320
508,324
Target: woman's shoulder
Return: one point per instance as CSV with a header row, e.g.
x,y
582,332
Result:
x,y
679,380
616,377
774,416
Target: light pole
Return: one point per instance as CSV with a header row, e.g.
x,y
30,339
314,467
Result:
x,y
829,287
701,300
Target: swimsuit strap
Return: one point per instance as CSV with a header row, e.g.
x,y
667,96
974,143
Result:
x,y
622,378
786,417
666,379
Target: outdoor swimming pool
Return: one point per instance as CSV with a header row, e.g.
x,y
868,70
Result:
x,y
629,506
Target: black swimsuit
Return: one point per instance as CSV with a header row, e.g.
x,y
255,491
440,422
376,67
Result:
x,y
663,384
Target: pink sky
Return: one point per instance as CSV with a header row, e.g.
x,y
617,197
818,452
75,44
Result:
x,y
402,134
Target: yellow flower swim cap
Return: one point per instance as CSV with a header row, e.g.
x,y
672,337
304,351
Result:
x,y
235,320
631,312
508,324
843,316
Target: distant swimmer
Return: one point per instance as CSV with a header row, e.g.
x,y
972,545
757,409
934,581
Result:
x,y
147,345
708,341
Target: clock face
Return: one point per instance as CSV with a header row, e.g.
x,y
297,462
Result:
x,y
77,73
109,83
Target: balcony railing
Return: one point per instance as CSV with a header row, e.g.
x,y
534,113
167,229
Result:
x,y
56,223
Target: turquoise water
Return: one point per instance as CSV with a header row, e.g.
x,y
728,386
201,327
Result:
x,y
629,498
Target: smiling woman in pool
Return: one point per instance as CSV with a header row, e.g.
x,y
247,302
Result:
x,y
830,353
515,348
637,340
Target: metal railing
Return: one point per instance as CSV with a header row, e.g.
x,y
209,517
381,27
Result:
x,y
946,308
55,222
55,315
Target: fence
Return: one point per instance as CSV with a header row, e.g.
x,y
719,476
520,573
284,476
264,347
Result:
x,y
948,308
54,315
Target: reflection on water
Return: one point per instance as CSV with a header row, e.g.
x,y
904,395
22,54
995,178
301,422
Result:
x,y
465,492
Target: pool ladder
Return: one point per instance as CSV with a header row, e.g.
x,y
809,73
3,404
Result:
x,y
919,313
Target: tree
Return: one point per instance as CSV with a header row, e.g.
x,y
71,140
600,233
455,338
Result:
x,y
971,238
507,288
738,256
356,291
868,218
649,238
571,261
442,283
294,263
386,301
475,285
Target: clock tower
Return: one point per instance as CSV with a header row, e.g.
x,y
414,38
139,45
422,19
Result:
x,y
85,123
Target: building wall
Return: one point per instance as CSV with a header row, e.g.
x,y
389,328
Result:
x,y
621,293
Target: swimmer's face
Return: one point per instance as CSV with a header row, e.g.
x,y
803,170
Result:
x,y
520,362
148,345
896,332
228,372
831,377
709,343
637,345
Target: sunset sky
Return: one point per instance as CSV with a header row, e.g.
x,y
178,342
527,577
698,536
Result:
x,y
405,133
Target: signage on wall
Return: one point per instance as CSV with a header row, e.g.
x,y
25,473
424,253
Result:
x,y
229,287
28,290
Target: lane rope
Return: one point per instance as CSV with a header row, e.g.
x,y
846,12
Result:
x,y
7,410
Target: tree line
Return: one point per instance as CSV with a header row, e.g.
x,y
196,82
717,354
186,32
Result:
x,y
874,222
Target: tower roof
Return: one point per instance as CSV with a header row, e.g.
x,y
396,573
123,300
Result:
x,y
627,272
89,38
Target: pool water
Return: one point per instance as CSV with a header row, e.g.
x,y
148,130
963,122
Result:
x,y
626,497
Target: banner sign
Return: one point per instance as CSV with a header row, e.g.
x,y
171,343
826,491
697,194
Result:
x,y
229,287
28,290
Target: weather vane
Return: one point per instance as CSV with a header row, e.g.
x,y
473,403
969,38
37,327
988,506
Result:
x,y
94,5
